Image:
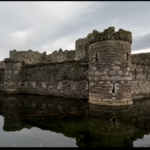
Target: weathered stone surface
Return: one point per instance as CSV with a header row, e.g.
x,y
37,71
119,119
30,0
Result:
x,y
68,79
33,57
2,64
101,66
112,55
116,67
112,72
28,57
81,50
60,56
96,73
143,58
120,72
110,34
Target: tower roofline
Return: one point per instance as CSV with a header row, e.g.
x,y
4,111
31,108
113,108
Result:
x,y
109,34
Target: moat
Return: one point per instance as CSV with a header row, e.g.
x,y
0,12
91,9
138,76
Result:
x,y
44,121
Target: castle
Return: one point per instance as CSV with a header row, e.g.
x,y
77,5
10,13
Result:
x,y
100,69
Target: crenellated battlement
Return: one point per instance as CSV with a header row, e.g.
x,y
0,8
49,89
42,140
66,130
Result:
x,y
29,57
60,56
109,34
9,60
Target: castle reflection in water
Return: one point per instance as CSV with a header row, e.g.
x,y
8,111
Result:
x,y
90,125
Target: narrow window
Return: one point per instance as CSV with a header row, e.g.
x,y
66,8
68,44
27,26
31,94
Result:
x,y
96,57
127,56
113,90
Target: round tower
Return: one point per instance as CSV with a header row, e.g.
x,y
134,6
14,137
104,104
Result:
x,y
109,67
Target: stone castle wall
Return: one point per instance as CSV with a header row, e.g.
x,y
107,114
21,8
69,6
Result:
x,y
29,57
109,66
101,68
67,79
81,52
12,76
140,70
2,73
61,56
2,64
33,57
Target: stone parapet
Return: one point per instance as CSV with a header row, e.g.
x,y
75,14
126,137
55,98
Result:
x,y
109,34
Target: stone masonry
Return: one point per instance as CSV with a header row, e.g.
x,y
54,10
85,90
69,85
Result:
x,y
109,67
100,69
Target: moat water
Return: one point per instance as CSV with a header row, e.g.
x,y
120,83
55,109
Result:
x,y
43,121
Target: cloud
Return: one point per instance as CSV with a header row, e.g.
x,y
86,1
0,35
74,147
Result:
x,y
141,51
49,26
141,42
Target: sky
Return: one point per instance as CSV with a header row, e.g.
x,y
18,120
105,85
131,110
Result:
x,y
49,26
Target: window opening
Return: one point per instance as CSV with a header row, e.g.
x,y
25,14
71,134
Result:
x,y
113,90
127,56
96,57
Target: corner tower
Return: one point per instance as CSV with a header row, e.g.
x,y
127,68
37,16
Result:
x,y
109,67
12,76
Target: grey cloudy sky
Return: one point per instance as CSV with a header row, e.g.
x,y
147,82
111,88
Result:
x,y
48,26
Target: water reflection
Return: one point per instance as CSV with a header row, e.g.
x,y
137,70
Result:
x,y
42,121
